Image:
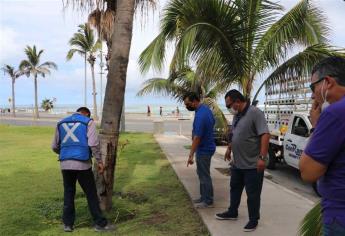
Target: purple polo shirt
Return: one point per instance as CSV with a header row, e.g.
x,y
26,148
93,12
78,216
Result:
x,y
327,146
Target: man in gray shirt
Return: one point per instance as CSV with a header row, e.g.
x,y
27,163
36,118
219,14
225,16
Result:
x,y
74,137
248,141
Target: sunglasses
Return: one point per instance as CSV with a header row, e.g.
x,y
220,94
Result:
x,y
312,85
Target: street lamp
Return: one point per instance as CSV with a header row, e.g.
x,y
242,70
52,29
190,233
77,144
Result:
x,y
101,65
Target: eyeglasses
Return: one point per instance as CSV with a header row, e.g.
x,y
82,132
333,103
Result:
x,y
312,85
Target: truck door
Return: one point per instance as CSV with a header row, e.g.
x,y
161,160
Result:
x,y
295,141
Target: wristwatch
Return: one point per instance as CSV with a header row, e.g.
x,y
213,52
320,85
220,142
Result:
x,y
264,158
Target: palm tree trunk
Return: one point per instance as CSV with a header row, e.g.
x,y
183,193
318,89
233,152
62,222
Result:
x,y
13,99
95,112
114,95
85,82
36,99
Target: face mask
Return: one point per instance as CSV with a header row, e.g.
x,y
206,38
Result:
x,y
190,108
324,97
233,111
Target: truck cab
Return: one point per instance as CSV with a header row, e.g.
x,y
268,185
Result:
x,y
296,138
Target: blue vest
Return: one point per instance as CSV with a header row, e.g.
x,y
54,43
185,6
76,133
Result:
x,y
73,138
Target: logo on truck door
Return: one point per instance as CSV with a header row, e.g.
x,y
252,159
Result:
x,y
294,151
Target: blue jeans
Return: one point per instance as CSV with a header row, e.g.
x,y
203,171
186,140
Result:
x,y
87,183
333,229
203,164
251,180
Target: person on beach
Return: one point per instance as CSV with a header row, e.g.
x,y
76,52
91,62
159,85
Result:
x,y
76,141
161,111
248,141
177,112
148,111
323,159
203,145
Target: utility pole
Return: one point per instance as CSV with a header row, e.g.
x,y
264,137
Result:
x,y
101,65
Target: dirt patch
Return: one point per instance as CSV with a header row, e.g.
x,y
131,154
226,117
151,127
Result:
x,y
133,196
224,171
156,218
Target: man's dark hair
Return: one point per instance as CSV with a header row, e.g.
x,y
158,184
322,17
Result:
x,y
85,110
234,95
331,66
191,97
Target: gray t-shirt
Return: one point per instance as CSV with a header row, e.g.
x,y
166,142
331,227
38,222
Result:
x,y
246,138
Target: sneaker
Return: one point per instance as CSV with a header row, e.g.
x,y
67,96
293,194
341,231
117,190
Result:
x,y
251,226
226,216
108,227
203,205
197,200
67,228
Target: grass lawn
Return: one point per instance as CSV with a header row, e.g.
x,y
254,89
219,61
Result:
x,y
148,199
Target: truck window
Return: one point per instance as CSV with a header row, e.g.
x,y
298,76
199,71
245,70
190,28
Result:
x,y
299,124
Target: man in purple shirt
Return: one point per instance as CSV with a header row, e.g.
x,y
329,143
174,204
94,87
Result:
x,y
323,159
75,141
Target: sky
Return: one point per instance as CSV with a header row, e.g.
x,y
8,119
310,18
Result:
x,y
44,23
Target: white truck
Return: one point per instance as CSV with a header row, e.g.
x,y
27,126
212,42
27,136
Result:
x,y
286,109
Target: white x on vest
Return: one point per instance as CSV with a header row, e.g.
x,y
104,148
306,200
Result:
x,y
69,132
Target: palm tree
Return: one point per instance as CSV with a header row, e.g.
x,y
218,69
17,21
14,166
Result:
x,y
47,104
242,38
31,66
116,83
83,42
186,80
14,75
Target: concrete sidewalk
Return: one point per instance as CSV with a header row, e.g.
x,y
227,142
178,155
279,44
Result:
x,y
281,209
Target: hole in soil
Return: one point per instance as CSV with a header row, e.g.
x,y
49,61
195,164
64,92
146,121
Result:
x,y
156,218
133,196
224,171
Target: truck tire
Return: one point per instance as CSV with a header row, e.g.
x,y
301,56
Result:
x,y
315,189
271,162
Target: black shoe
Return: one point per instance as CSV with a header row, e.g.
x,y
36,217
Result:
x,y
67,228
226,216
108,227
251,226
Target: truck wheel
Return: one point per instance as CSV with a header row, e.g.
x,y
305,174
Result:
x,y
315,189
271,163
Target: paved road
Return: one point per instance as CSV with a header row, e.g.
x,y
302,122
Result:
x,y
289,177
132,124
283,175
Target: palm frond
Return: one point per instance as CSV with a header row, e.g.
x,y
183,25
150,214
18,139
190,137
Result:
x,y
153,56
25,66
259,15
304,24
84,5
71,52
32,55
156,86
103,20
49,65
221,33
7,69
311,224
221,121
302,63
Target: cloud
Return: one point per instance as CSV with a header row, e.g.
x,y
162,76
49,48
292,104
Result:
x,y
9,47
